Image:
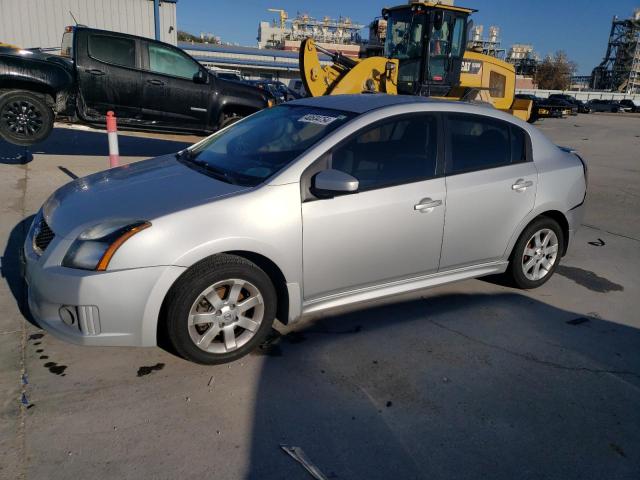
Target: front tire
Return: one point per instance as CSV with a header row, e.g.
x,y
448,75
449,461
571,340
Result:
x,y
227,119
220,310
25,118
536,254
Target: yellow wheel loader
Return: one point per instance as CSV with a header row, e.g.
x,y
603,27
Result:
x,y
424,54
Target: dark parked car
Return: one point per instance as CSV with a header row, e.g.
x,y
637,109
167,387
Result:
x,y
583,107
604,106
279,90
630,106
542,108
150,85
569,107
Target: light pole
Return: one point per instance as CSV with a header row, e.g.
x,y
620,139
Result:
x,y
156,15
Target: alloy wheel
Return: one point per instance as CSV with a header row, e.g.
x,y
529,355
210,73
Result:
x,y
22,117
225,316
540,254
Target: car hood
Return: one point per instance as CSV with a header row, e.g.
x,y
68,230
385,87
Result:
x,y
141,191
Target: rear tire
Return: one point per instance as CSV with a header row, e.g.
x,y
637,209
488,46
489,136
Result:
x,y
536,254
25,118
220,310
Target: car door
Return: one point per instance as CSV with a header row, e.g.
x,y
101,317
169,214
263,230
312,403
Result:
x,y
108,75
171,94
391,228
491,187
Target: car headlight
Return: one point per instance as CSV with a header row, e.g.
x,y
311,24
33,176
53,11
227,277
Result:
x,y
544,111
94,248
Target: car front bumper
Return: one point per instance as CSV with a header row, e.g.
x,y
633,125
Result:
x,y
111,308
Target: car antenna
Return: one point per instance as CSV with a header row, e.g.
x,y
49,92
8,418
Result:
x,y
75,20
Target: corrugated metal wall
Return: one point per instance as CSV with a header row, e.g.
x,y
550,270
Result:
x,y
40,23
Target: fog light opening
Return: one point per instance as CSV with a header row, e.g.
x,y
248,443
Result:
x,y
68,315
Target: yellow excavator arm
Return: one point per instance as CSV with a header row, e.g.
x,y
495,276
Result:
x,y
345,75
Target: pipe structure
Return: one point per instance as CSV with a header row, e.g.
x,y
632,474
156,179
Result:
x,y
156,16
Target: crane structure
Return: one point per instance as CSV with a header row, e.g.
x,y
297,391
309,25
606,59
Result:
x,y
619,71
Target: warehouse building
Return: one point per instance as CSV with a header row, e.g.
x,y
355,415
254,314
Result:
x,y
251,62
41,23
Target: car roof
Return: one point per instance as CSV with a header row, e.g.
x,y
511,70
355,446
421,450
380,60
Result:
x,y
362,103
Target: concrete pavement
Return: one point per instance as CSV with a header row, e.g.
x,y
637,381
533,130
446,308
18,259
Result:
x,y
472,380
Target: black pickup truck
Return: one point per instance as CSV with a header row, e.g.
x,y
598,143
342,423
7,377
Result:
x,y
150,85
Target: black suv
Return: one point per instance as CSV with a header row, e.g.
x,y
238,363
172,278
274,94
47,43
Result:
x,y
150,85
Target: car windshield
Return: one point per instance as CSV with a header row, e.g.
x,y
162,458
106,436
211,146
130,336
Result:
x,y
258,147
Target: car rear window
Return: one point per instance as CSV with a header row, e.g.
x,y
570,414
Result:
x,y
115,50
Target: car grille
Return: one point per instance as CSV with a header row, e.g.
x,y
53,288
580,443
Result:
x,y
43,235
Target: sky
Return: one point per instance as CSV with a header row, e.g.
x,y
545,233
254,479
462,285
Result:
x,y
579,27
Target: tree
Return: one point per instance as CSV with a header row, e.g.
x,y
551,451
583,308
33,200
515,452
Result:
x,y
203,38
555,72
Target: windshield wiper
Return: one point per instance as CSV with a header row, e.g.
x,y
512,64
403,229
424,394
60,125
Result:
x,y
185,154
215,172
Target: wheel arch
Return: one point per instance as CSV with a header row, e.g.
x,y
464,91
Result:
x,y
552,213
277,278
47,92
272,270
561,219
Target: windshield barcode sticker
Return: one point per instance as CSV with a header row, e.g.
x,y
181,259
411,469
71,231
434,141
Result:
x,y
317,119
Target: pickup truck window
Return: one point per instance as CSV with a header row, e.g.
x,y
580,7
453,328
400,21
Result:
x,y
171,62
115,50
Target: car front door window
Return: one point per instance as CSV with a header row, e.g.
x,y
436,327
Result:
x,y
391,153
168,61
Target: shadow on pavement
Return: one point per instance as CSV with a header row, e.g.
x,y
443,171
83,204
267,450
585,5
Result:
x,y
12,268
65,141
494,386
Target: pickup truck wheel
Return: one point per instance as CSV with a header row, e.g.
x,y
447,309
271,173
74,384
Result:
x,y
25,119
220,310
228,119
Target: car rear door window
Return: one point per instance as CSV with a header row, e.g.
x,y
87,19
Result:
x,y
477,142
391,153
114,50
168,61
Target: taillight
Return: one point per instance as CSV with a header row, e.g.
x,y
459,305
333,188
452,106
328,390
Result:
x,y
585,168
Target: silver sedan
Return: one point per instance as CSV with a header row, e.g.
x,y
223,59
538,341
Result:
x,y
309,206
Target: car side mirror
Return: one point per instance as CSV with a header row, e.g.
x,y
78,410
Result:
x,y
329,183
201,77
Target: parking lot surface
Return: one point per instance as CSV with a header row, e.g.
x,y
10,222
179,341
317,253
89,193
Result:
x,y
472,380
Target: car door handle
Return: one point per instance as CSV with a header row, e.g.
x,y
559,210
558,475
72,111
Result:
x,y
426,205
521,185
94,71
155,82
